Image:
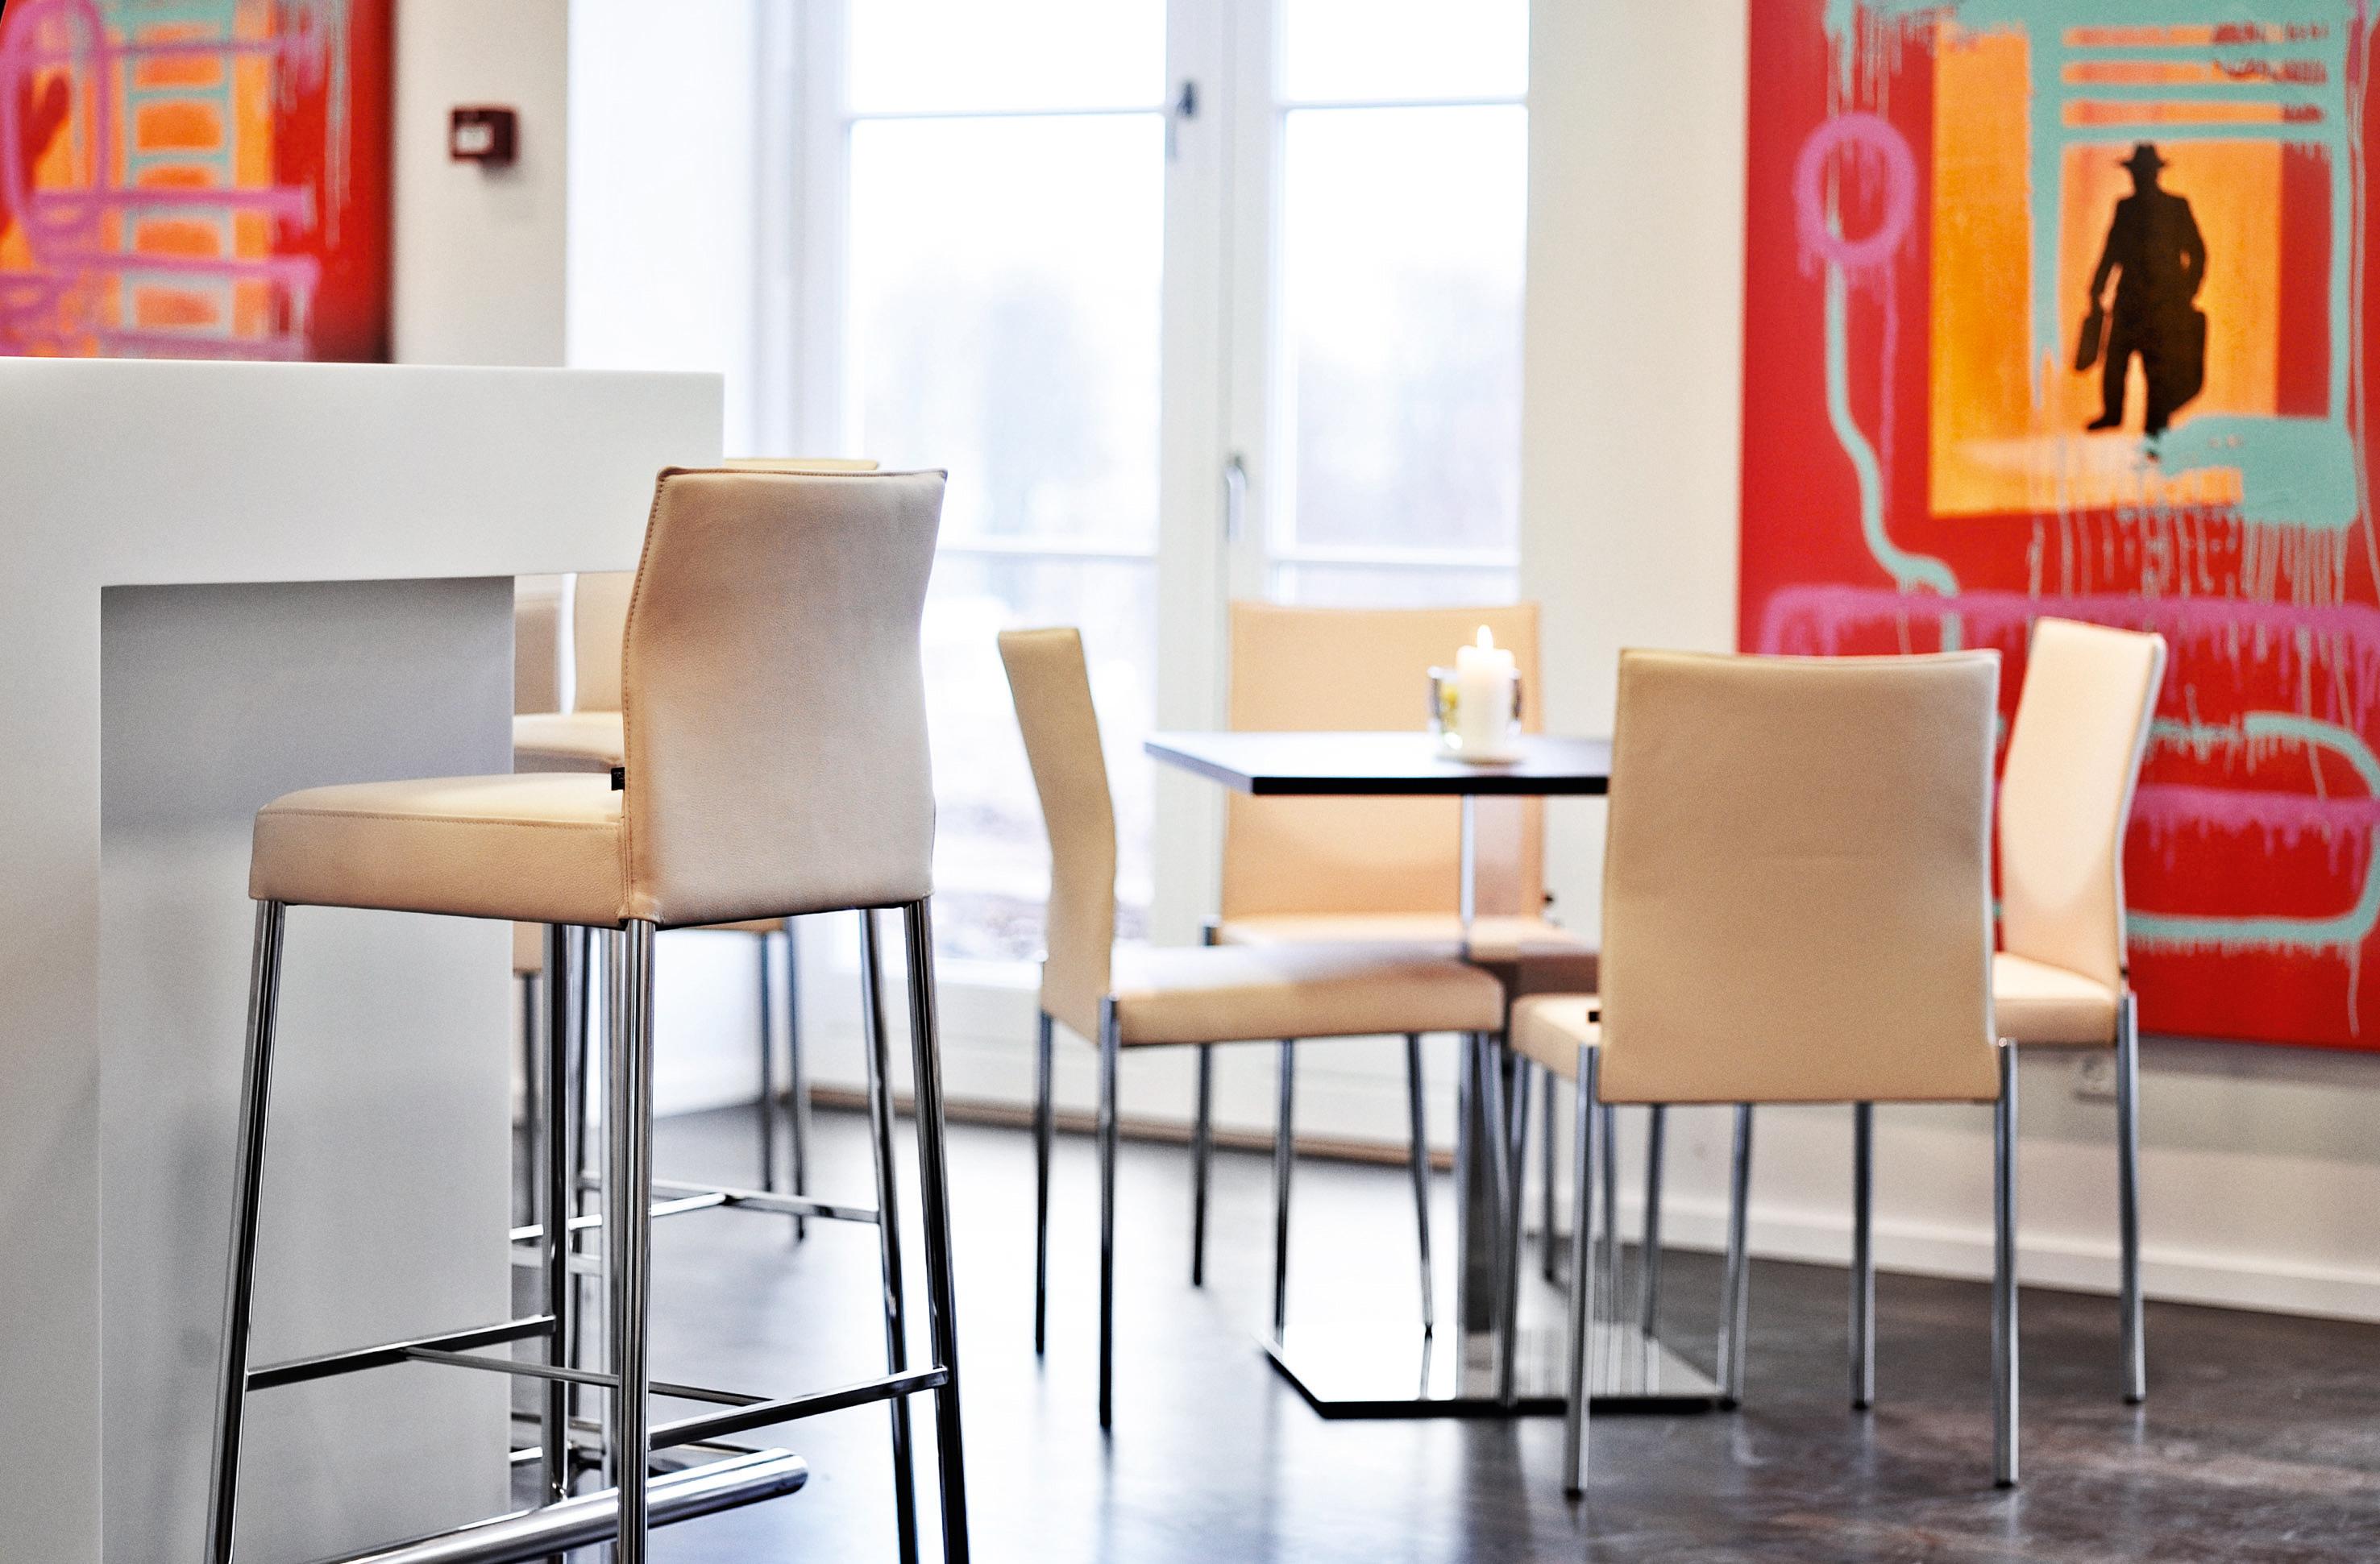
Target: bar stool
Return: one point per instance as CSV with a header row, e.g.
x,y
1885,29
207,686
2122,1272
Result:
x,y
1120,997
1782,926
775,764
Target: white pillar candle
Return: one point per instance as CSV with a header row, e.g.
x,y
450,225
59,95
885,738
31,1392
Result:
x,y
1485,686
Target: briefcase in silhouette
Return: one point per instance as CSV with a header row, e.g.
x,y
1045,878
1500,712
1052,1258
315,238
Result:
x,y
2094,332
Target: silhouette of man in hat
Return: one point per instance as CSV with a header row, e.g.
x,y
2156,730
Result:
x,y
2154,247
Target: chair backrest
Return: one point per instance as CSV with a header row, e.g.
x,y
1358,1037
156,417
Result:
x,y
1051,685
598,610
1797,885
2066,791
541,643
775,697
1340,669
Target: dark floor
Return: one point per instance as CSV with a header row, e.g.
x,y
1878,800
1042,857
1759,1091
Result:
x,y
2261,1440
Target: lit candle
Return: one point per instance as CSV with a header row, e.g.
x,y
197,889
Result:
x,y
1484,686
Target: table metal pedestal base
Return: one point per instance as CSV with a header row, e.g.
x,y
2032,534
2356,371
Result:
x,y
1346,1370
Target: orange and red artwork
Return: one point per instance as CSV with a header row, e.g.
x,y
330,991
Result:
x,y
194,178
2058,307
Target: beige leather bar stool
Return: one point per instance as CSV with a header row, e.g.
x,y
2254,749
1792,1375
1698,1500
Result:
x,y
1303,870
1121,997
1796,908
588,738
775,764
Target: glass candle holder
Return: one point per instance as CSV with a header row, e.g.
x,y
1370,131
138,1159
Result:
x,y
1475,714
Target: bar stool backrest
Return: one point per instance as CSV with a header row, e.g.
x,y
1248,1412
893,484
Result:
x,y
1341,669
2066,791
600,599
774,703
1051,685
1797,888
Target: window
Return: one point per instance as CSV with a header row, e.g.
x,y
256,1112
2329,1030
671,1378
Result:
x,y
1014,256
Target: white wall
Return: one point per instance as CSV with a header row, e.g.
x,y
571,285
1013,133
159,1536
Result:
x,y
480,255
665,192
2261,1180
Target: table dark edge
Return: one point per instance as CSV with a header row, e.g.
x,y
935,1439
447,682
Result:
x,y
1486,781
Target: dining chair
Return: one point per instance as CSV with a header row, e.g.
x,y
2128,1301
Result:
x,y
1796,908
2060,977
751,586
1303,870
1120,997
583,627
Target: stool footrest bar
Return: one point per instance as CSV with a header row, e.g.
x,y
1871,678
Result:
x,y
595,1518
702,1200
771,1202
761,1415
388,1354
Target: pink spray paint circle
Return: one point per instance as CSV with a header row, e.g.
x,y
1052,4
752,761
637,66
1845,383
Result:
x,y
1873,137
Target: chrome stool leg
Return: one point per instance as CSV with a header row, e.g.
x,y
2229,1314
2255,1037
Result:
x,y
558,1201
797,1074
1548,1114
1044,1128
1420,1159
1514,1221
240,1283
1862,1256
876,1046
766,1106
2128,1198
627,1238
941,1297
1648,1303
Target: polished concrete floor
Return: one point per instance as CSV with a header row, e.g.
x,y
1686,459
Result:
x,y
2261,1441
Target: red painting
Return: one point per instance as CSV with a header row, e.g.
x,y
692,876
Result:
x,y
194,178
2056,308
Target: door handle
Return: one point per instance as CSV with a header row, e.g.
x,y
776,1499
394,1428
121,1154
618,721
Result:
x,y
1236,497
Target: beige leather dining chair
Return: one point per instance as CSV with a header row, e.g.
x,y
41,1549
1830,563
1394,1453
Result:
x,y
1796,908
751,583
1307,869
1121,997
593,611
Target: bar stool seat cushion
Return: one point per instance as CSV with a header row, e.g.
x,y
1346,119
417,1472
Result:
x,y
2035,1003
1553,959
1220,994
568,741
536,849
1551,1029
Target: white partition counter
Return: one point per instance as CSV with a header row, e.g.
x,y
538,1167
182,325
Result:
x,y
217,583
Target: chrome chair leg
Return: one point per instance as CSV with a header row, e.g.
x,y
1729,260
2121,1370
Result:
x,y
1419,1159
1608,1151
1494,1070
1734,1315
1044,1127
1110,1045
1513,1220
2128,1198
1582,1279
876,1046
556,1201
627,1238
524,1161
1546,1263
1648,1301
2004,1353
1202,1151
767,1104
933,1179
797,1077
1862,1256
1285,1159
248,1180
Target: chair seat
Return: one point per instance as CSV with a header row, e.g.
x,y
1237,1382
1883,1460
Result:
x,y
568,741
1551,959
2035,1003
536,849
1222,994
1551,1028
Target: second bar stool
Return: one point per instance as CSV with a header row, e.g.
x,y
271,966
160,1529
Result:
x,y
775,764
